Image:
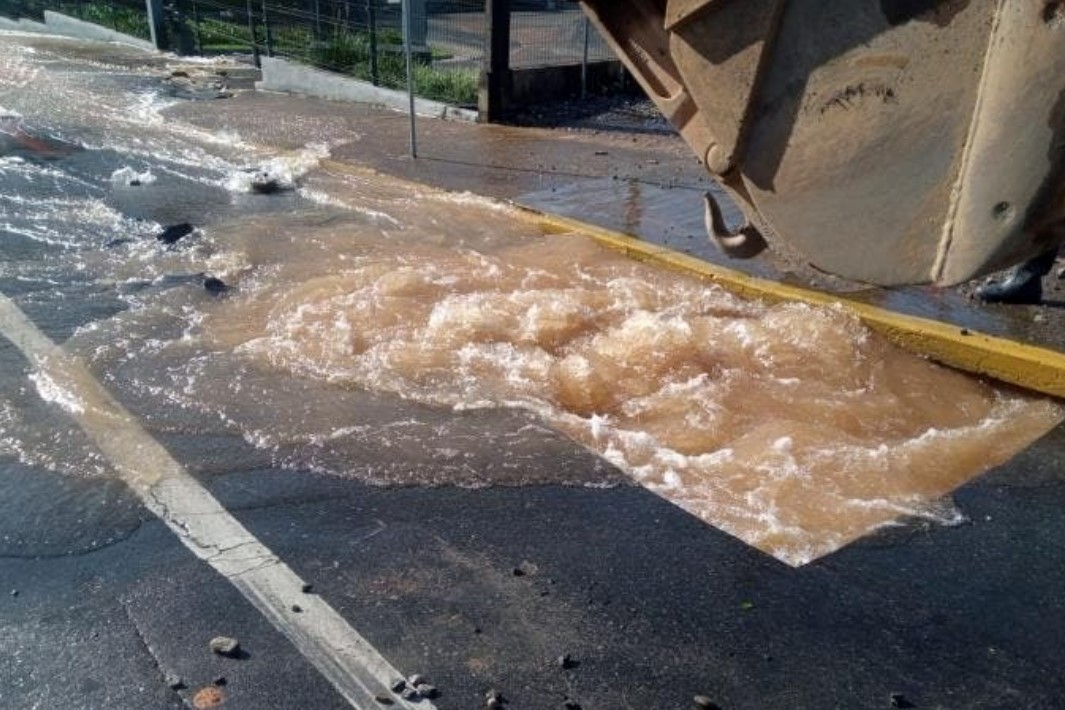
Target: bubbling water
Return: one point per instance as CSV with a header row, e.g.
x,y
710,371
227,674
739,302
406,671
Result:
x,y
793,427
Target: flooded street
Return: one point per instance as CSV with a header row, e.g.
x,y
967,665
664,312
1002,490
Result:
x,y
255,388
791,427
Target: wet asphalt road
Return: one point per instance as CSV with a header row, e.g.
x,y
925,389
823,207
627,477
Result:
x,y
488,588
102,607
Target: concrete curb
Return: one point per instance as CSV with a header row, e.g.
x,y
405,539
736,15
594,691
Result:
x,y
57,23
1027,366
289,77
23,25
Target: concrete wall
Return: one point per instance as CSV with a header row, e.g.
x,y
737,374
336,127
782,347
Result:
x,y
290,77
59,24
22,25
72,27
531,86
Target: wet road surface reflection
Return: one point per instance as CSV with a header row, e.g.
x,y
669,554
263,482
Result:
x,y
793,428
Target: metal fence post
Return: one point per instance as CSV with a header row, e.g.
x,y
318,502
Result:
x,y
157,24
196,29
251,35
408,39
266,32
371,21
584,61
494,89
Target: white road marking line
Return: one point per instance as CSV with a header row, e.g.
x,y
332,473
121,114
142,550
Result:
x,y
337,650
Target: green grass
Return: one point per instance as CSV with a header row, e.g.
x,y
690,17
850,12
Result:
x,y
348,52
344,51
127,20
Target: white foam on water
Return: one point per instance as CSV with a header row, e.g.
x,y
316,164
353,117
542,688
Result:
x,y
284,171
129,176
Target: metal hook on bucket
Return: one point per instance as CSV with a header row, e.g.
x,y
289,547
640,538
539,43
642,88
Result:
x,y
742,243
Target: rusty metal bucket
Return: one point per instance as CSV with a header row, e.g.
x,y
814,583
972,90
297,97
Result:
x,y
887,141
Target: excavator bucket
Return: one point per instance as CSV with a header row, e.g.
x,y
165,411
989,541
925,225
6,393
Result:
x,y
886,141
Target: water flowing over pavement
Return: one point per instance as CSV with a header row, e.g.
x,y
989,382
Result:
x,y
353,334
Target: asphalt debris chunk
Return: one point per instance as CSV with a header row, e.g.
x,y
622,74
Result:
x,y
213,284
703,702
171,234
225,646
427,691
899,700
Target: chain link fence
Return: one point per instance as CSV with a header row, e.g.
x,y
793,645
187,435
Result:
x,y
359,38
126,16
551,33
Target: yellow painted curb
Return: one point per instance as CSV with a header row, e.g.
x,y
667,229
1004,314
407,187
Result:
x,y
1027,366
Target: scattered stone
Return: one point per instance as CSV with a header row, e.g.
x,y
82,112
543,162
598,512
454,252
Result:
x,y
14,592
965,331
225,646
398,685
411,694
296,608
416,679
180,72
263,183
567,662
568,704
494,704
427,691
214,284
383,699
525,568
493,694
171,234
307,588
174,682
1039,318
209,697
705,703
898,700
1061,273
220,681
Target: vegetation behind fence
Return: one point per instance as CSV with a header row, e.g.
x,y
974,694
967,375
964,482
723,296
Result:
x,y
359,38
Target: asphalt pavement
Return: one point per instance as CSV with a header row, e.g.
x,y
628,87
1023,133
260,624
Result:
x,y
599,598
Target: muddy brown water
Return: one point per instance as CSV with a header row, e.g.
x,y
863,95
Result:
x,y
793,428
